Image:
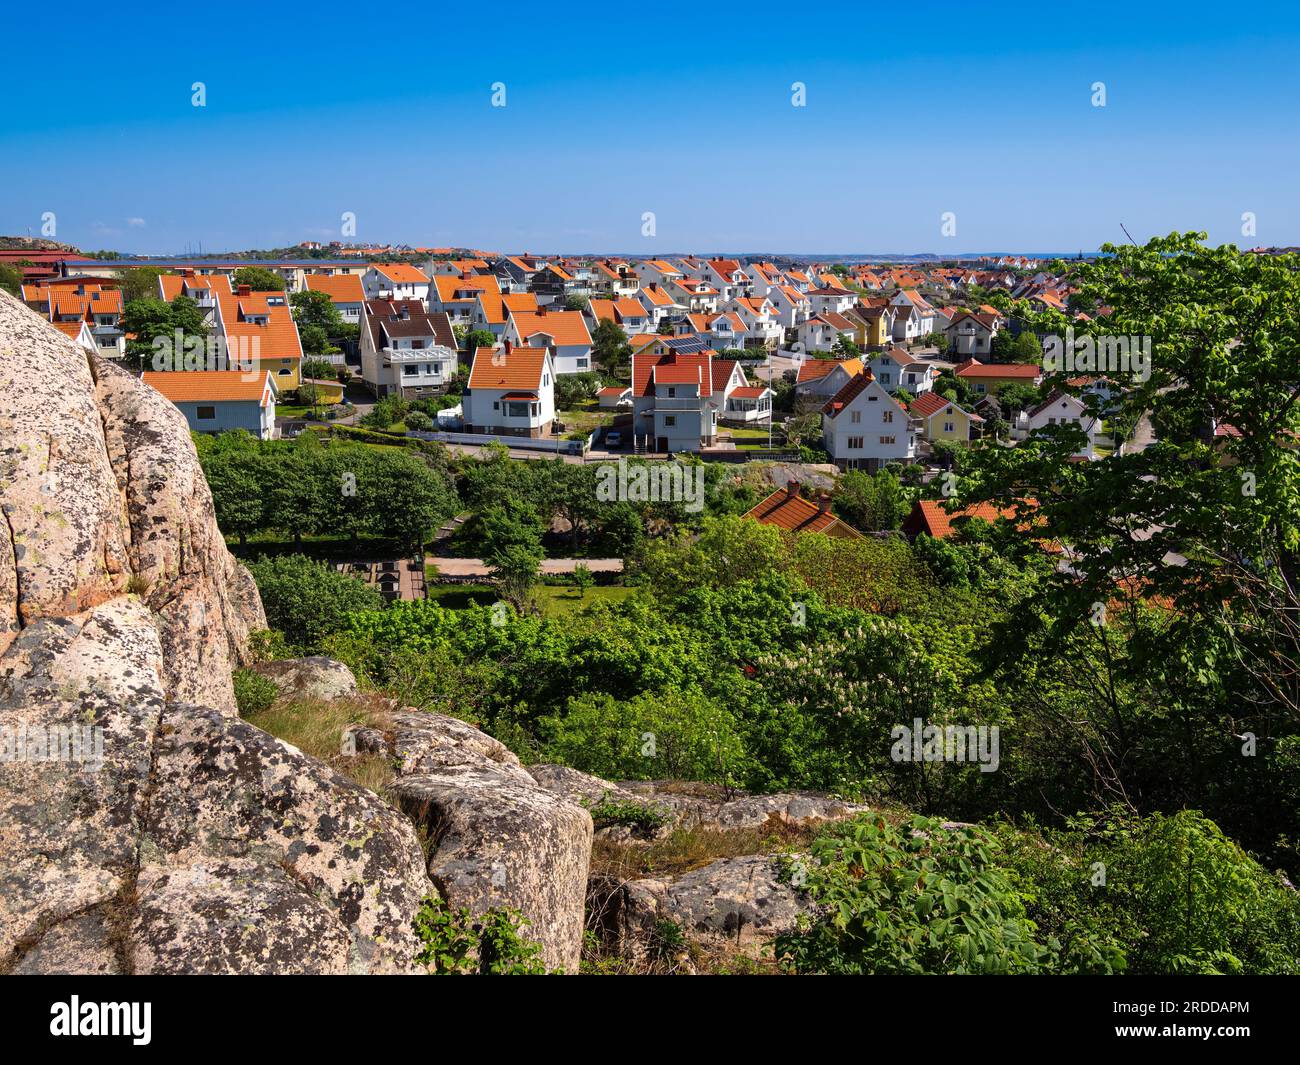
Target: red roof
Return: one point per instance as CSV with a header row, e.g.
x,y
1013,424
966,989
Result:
x,y
848,393
786,509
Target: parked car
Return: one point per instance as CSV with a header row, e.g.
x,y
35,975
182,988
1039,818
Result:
x,y
613,438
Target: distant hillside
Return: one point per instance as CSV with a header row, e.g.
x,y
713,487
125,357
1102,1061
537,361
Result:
x,y
34,244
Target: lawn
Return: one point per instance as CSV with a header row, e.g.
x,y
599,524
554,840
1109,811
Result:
x,y
586,417
552,600
752,437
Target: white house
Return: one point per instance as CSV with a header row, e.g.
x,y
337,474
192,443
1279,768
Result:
x,y
722,332
791,306
821,331
727,277
864,427
896,369
759,317
510,392
396,281
406,352
748,404
563,333
659,304
696,296
627,313
832,300
457,296
677,398
971,334
1061,408
820,379
659,272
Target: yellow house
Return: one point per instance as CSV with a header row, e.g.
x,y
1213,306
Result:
x,y
873,327
942,419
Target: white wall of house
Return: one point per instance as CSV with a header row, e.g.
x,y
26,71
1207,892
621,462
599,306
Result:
x,y
871,431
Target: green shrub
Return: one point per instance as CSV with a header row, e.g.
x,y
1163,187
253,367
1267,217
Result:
x,y
911,900
308,600
453,942
680,735
1171,890
254,693
608,813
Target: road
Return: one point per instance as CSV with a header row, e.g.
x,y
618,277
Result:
x,y
474,567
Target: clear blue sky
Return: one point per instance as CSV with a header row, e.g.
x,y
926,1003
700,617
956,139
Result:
x,y
982,110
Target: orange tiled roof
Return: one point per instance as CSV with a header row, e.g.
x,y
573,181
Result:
x,y
789,510
340,288
277,339
566,327
210,386
401,273
520,369
928,516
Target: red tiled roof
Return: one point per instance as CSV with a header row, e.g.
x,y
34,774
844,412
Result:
x,y
787,509
929,516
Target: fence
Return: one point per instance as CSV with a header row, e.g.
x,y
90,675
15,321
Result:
x,y
522,443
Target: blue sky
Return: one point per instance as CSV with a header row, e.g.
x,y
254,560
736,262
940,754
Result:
x,y
980,110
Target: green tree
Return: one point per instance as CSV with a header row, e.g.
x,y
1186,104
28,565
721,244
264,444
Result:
x,y
582,579
1183,659
259,279
307,600
871,501
511,533
315,309
153,327
140,283
11,279
609,346
478,338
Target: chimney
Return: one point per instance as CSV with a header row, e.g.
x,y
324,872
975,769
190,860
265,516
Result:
x,y
508,347
791,489
654,285
823,503
542,310
244,290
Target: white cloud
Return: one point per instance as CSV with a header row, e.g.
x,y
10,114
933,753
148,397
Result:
x,y
135,223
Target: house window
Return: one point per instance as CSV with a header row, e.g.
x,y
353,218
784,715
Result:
x,y
855,443
670,420
887,417
949,427
206,414
887,439
855,416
